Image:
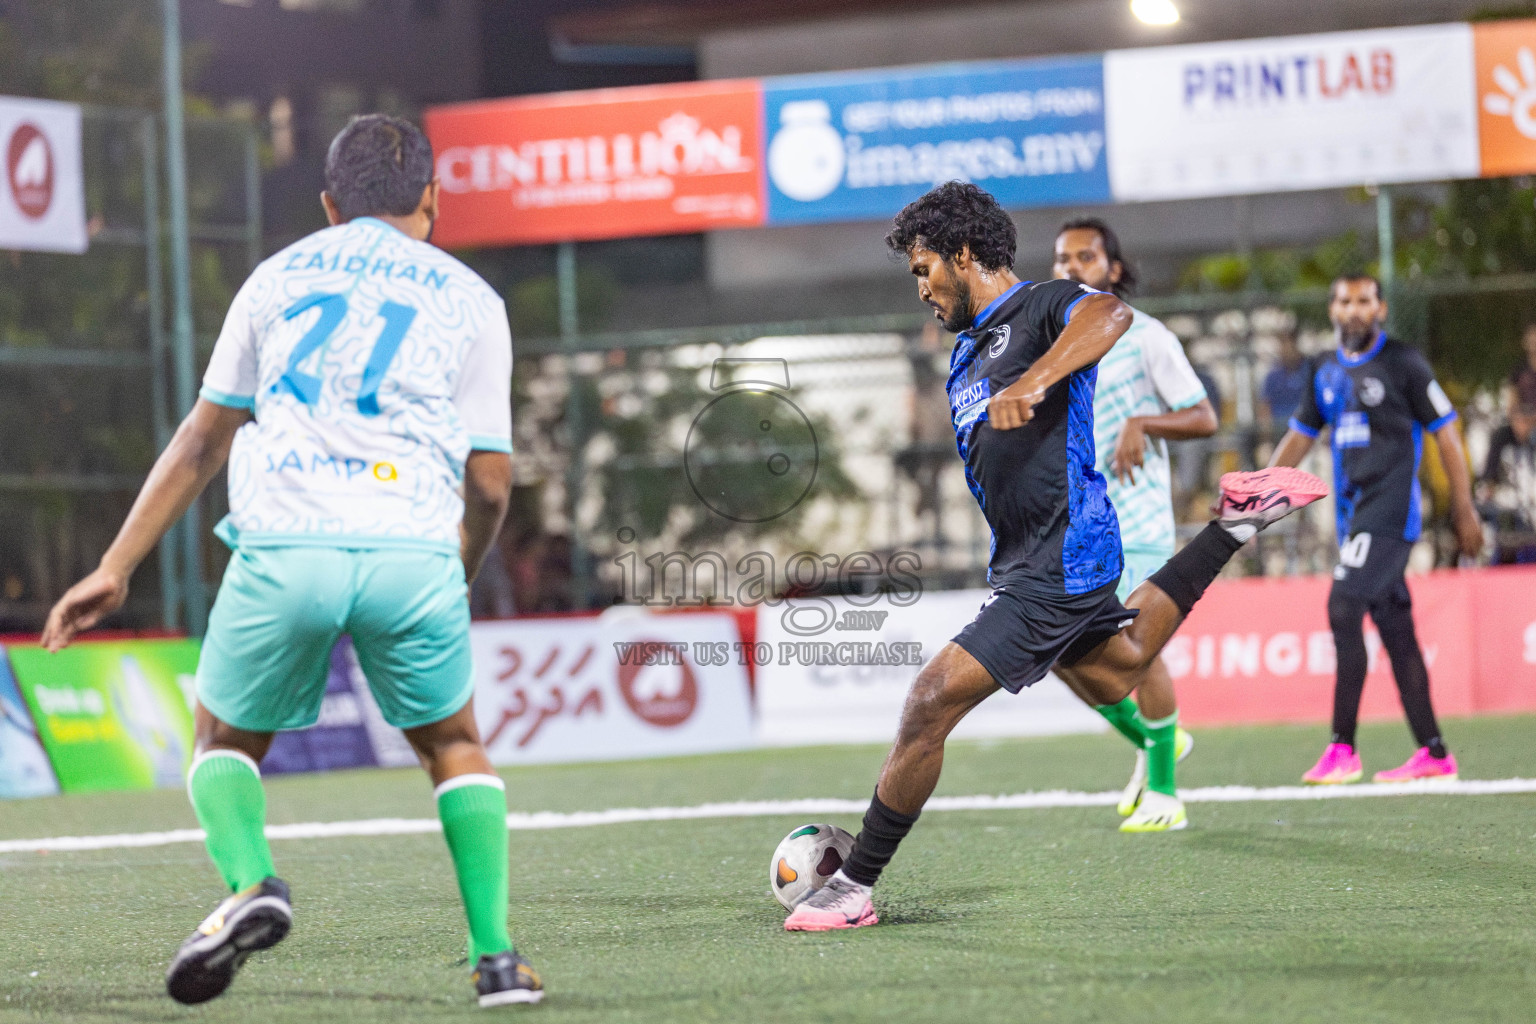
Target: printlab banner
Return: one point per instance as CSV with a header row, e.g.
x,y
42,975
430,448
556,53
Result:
x,y
1299,112
864,144
112,715
608,163
620,685
846,683
42,190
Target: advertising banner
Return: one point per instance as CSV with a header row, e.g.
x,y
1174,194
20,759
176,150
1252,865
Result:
x,y
42,190
340,739
846,683
24,768
1503,628
1261,651
112,714
1299,112
1506,96
607,163
624,684
864,144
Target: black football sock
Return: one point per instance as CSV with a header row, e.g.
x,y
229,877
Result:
x,y
1187,574
1394,621
876,843
1344,617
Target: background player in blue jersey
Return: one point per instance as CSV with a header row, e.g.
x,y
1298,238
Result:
x,y
1147,394
361,394
1021,398
1380,398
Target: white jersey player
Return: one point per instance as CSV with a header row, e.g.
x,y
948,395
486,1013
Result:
x,y
361,393
1146,394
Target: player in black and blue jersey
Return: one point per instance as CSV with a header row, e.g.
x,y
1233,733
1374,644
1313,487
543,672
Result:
x,y
1021,399
1380,398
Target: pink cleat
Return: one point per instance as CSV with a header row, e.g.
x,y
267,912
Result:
x,y
1422,765
1266,496
1338,765
841,903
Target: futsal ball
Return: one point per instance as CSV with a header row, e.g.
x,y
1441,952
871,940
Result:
x,y
805,860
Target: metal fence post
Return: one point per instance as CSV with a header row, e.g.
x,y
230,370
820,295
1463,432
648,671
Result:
x,y
183,354
252,198
1386,247
575,411
170,554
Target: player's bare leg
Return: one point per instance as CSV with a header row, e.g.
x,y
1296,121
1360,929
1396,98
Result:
x,y
954,682
472,803
944,692
224,784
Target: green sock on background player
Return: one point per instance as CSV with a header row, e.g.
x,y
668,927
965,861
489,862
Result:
x,y
225,787
1125,716
473,809
1162,754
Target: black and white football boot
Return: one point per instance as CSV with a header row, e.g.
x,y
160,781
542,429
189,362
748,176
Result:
x,y
252,919
503,979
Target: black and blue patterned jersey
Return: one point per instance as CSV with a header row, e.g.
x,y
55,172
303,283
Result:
x,y
1053,527
1379,404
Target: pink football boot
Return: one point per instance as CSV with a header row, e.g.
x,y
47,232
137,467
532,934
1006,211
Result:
x,y
841,903
1338,765
1266,496
1422,765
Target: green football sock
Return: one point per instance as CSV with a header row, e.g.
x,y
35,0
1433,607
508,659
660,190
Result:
x,y
225,787
1162,744
473,809
1126,718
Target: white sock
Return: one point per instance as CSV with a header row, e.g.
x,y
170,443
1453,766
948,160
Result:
x,y
1241,532
848,881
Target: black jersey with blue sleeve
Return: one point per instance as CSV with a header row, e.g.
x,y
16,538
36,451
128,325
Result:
x,y
1378,403
1054,530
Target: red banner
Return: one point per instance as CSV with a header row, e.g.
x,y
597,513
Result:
x,y
601,164
1261,650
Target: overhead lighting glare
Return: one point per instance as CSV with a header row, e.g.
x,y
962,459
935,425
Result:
x,y
1155,12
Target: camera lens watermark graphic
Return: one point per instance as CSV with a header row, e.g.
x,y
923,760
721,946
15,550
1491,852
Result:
x,y
751,454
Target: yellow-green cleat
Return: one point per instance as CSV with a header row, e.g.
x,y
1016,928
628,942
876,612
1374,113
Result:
x,y
1183,743
1157,812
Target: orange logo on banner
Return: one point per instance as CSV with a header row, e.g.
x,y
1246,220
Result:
x,y
602,164
1506,96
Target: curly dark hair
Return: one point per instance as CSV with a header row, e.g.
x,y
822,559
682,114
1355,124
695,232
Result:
x,y
951,217
1126,286
378,165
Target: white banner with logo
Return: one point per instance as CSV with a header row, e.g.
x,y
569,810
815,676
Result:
x,y
621,685
837,672
1299,112
42,192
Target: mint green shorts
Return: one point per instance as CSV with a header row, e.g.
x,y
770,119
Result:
x,y
1138,566
280,611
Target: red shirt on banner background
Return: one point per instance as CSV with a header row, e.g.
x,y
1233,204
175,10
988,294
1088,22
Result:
x,y
607,163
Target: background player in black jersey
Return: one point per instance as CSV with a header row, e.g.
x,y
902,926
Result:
x,y
1021,388
1381,398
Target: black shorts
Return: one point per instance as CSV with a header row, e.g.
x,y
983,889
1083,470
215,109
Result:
x,y
1017,636
1371,569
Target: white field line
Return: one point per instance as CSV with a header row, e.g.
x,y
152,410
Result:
x,y
813,808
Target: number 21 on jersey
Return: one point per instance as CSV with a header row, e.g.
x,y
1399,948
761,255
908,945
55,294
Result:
x,y
333,310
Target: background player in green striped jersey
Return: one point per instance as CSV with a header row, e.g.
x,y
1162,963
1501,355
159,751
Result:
x,y
1147,393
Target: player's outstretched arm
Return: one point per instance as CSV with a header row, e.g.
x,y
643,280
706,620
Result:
x,y
487,491
1469,528
1198,420
195,454
1293,447
1097,323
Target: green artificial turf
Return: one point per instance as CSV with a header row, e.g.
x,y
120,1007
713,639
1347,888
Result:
x,y
1392,909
